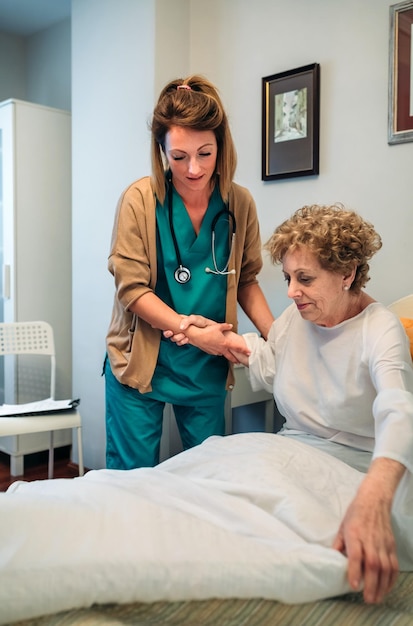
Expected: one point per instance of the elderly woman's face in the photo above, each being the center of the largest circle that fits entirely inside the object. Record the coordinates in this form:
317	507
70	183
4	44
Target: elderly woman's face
318	293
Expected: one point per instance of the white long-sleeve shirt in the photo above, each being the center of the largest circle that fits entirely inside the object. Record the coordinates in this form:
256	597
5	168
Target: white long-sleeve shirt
351	383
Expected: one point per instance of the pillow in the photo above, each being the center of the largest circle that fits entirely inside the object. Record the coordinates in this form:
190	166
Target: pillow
408	327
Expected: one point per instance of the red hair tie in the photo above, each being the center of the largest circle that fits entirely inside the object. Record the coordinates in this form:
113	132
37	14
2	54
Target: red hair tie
185	87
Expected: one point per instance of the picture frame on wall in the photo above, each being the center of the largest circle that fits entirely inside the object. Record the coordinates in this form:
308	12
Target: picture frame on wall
400	118
291	123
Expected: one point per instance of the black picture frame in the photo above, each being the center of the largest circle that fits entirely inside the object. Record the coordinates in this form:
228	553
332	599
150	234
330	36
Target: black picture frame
400	117
291	123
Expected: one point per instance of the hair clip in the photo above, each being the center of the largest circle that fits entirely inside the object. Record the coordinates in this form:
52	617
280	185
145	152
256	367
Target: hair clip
185	87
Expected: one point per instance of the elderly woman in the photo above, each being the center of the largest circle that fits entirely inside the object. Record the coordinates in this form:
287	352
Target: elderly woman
339	366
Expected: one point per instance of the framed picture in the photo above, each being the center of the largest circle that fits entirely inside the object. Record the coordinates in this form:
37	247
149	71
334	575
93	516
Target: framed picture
291	123
400	127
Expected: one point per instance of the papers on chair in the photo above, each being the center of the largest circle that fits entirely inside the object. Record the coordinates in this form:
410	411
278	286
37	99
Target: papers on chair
41	406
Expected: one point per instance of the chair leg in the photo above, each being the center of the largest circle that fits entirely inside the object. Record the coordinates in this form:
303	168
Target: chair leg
51	456
17	465
80	451
269	416
228	414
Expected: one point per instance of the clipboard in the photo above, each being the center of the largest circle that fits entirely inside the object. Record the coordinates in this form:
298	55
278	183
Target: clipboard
40	407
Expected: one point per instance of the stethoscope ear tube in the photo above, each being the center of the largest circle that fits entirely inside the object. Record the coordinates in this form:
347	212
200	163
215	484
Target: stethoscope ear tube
230	214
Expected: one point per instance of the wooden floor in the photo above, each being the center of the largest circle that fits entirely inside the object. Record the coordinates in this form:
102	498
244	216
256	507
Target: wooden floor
36	466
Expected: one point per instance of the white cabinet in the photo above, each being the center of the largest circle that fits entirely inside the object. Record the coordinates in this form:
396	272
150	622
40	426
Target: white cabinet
35	207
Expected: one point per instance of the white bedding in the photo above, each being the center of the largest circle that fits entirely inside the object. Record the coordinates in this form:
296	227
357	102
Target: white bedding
249	515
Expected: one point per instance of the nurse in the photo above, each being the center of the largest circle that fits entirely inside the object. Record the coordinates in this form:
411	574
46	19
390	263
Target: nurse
185	240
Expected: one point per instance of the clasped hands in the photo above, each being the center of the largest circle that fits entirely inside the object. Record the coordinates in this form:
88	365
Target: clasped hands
212	337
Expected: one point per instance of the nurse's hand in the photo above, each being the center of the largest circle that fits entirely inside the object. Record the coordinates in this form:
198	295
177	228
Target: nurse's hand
187	320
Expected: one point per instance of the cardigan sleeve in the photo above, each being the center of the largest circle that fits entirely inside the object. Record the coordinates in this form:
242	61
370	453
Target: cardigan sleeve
131	261
248	248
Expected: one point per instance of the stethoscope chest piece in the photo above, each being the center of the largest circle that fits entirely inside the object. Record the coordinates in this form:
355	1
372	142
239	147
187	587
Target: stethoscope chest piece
182	275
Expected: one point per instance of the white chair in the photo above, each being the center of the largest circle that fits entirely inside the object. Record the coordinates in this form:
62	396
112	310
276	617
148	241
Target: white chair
403	307
36	338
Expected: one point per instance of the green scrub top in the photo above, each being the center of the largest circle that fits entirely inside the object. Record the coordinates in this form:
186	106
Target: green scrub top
186	375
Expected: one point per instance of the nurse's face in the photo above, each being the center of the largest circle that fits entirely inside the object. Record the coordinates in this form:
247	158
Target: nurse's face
192	156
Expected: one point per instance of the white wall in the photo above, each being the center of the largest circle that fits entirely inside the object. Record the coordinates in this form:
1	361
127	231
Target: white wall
172	41
134	46
236	46
37	68
48	66
12	67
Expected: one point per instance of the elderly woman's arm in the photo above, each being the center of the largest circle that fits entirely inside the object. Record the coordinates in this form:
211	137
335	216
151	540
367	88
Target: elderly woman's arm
366	534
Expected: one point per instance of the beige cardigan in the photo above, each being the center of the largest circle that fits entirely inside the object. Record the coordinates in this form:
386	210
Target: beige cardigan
132	344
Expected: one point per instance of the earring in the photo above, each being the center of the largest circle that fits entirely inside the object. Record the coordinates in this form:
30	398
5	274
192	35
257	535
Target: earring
346	287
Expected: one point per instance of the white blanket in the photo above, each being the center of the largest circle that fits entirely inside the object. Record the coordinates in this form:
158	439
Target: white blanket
244	516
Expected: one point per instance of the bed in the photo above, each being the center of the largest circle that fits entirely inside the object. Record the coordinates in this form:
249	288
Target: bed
235	531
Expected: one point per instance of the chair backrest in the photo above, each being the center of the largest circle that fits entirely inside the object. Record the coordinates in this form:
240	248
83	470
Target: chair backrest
32	338
403	307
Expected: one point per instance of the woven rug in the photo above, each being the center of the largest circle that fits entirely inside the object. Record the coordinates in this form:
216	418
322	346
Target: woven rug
396	610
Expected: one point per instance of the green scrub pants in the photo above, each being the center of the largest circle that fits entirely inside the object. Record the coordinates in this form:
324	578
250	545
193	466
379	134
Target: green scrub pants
134	424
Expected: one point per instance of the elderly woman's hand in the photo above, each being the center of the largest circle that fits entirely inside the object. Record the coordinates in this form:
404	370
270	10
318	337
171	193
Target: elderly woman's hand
218	339
366	536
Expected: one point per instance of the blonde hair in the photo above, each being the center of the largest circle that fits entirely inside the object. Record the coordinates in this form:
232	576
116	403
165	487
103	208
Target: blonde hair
198	106
339	238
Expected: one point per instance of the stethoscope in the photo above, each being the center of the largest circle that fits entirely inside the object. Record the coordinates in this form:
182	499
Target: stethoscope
182	274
